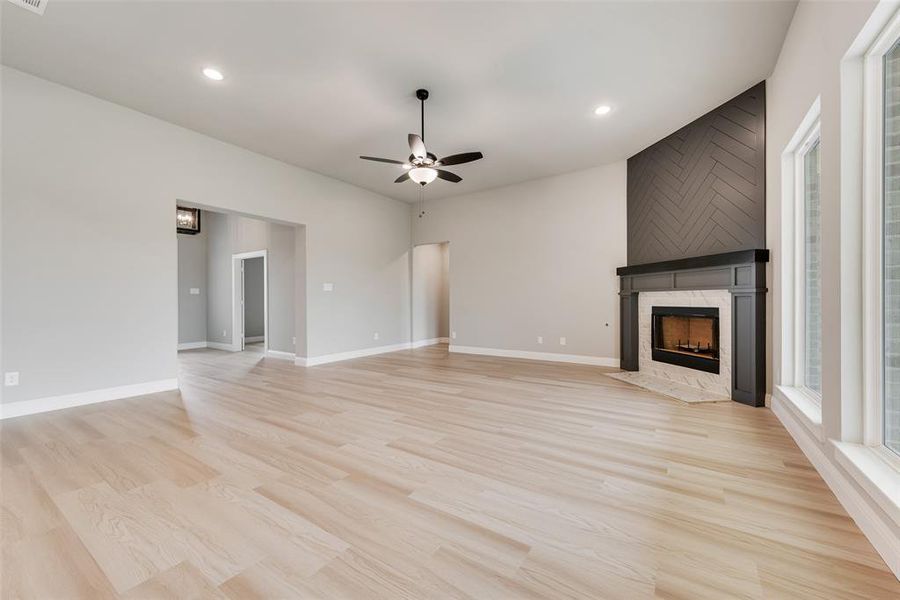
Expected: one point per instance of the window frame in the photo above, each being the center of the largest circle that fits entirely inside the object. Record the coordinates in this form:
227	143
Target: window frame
810	138
873	236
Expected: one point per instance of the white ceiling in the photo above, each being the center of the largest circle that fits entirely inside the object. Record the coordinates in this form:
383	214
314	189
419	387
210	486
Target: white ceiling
317	84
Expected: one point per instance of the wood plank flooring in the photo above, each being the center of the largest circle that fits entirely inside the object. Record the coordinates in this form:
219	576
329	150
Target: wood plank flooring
418	474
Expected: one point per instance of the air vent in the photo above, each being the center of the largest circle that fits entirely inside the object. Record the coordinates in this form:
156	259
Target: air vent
35	6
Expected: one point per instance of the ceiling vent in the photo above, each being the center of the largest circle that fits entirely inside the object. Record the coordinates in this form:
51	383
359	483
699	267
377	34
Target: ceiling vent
35	6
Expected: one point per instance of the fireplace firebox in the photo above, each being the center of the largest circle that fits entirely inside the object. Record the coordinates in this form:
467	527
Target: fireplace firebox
686	336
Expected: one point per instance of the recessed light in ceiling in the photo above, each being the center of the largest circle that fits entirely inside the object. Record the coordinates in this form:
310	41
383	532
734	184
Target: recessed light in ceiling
603	109
214	74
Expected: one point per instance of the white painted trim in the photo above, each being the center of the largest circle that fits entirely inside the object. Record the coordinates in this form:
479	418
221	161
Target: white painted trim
792	264
876	470
281	355
329	358
255	338
581	359
876	530
40	405
221	346
191	345
803	408
431	342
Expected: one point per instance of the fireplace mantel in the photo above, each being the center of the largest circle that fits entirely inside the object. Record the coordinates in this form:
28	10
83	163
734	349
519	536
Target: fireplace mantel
742	273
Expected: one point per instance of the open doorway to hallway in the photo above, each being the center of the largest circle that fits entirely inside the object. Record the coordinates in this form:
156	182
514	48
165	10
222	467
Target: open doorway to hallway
431	294
252	308
241	286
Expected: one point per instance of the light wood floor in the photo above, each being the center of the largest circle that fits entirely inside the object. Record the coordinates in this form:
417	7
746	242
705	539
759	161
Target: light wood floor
419	474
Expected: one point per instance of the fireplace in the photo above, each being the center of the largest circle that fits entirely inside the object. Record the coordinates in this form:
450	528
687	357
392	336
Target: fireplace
686	336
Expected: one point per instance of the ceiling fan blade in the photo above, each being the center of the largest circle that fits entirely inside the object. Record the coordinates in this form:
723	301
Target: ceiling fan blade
404	177
384	160
448	176
417	146
458	159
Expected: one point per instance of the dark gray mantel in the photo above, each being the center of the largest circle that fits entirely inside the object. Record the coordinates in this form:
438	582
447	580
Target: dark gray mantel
743	273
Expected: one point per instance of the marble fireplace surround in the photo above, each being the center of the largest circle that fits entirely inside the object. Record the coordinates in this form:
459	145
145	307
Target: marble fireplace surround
735	283
714	385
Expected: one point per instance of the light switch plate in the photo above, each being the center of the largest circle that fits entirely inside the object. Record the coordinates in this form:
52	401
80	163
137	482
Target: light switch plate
453	334
375	337
11	378
540	339
195	291
327	287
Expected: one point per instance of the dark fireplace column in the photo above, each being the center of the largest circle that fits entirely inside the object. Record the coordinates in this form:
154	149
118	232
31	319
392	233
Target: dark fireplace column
628	320
743	273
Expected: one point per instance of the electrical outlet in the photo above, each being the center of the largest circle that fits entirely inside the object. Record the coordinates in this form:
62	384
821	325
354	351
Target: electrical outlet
195	291
224	333
294	341
327	287
375	337
540	339
453	334
10	379
562	341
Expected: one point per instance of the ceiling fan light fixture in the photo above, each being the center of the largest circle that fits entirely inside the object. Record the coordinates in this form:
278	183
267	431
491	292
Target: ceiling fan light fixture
423	175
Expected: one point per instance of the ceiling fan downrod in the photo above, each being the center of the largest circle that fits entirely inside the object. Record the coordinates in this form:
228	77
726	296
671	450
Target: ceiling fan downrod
422	95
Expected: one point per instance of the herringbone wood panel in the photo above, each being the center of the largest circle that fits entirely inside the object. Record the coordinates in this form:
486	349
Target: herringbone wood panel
702	189
419	474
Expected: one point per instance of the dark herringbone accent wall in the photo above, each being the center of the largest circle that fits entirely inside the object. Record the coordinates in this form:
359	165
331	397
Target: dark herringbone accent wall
702	189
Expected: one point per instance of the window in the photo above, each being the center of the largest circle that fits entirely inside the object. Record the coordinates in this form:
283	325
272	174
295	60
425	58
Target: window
812	253
890	254
803	265
881	243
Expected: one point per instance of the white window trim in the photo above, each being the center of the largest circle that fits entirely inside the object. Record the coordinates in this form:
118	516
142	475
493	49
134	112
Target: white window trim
805	403
872	237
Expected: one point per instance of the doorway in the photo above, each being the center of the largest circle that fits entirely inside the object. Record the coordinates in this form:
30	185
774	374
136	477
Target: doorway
431	294
251	300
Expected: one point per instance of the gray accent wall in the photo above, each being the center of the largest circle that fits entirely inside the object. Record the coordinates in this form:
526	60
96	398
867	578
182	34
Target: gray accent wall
701	190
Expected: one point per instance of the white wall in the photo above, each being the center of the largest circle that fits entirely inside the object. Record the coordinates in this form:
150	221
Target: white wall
535	259
431	292
810	66
89	249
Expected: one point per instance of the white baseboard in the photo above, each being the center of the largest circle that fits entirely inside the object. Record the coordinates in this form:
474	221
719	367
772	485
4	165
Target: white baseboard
580	359
280	354
221	346
40	405
876	530
191	345
254	338
430	342
329	358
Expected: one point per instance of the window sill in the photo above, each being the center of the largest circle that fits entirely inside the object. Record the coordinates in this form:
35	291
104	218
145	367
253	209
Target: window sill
877	470
803	408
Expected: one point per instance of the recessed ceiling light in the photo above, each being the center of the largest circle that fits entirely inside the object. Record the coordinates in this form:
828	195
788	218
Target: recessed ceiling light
603	109
214	74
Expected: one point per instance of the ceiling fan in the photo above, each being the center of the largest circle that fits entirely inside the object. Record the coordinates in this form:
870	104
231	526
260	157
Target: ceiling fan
422	166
